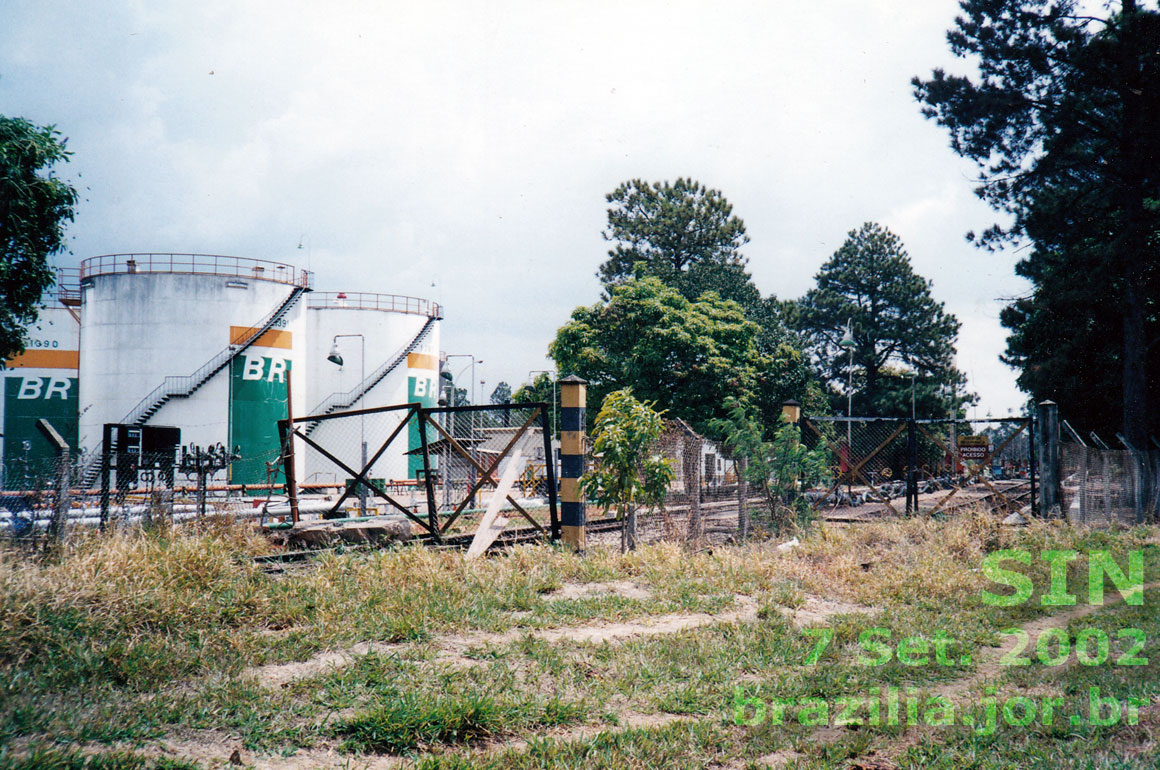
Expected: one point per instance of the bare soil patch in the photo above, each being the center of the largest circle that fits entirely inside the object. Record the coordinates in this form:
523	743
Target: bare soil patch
623	588
454	649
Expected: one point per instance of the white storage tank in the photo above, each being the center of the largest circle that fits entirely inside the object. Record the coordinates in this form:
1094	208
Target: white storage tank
388	345
201	342
41	382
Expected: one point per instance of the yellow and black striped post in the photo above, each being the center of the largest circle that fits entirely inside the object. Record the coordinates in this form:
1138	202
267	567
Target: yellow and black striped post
573	437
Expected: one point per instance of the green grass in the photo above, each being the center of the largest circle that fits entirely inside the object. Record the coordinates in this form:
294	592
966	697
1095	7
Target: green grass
50	758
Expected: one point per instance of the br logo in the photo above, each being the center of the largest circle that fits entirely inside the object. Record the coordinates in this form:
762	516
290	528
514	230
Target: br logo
44	387
268	369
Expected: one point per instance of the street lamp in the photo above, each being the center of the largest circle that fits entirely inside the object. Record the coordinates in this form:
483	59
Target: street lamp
335	357
848	343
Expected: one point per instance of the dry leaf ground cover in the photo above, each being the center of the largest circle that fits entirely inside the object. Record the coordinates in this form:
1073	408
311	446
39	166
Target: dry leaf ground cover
173	649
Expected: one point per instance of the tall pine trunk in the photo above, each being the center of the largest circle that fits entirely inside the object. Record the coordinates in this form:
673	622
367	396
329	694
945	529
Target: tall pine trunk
1133	254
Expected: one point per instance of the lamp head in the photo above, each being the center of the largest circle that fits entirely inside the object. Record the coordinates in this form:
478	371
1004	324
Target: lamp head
847	341
334	356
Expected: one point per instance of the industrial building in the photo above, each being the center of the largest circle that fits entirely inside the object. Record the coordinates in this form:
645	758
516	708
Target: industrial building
207	344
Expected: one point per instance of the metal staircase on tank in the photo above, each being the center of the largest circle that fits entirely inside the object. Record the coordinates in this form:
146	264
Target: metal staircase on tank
339	401
186	386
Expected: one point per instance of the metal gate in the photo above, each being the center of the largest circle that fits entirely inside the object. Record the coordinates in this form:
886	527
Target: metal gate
440	483
893	466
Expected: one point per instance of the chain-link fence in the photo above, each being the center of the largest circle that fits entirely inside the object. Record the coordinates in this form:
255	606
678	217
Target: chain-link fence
188	484
700	504
896	466
1109	486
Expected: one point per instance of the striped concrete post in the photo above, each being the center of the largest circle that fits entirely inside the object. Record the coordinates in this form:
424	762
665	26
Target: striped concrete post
573	438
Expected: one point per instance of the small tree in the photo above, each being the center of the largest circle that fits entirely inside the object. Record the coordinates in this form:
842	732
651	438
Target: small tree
780	469
34	207
623	476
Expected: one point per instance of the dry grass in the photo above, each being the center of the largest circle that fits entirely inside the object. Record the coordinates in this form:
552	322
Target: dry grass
122	637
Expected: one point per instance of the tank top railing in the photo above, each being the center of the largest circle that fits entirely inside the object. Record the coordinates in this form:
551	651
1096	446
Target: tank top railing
196	264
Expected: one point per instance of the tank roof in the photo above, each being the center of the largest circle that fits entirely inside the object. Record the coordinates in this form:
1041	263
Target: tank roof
361	300
196	264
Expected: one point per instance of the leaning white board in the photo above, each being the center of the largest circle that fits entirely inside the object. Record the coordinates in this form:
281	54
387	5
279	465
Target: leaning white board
492	524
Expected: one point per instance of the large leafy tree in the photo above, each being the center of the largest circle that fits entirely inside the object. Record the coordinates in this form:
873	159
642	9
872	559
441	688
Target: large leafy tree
1060	121
685	356
34	207
869	284
686	236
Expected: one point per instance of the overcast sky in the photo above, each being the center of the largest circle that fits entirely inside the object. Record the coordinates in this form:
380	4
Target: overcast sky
461	151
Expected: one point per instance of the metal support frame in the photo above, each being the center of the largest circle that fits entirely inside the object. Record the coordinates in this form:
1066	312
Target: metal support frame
913	427
289	429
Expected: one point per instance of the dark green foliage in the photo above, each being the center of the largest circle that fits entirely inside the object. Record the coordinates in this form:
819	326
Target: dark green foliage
869	283
687	237
672	228
502	394
408	720
34	207
780	469
624	474
686	357
1060	121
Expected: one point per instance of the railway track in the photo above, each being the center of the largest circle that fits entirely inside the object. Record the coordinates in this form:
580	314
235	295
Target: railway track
718	516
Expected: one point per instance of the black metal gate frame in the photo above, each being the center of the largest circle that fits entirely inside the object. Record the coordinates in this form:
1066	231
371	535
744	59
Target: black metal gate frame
910	425
287	429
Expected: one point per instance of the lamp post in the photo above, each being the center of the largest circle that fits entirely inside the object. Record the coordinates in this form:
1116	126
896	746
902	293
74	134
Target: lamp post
336	358
848	343
913	376
553	375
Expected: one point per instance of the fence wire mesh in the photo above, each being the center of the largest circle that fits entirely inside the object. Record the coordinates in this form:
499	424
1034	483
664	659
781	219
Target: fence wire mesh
1103	487
700	503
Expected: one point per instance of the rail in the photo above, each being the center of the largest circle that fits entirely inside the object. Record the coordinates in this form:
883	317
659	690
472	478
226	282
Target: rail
359	300
68	286
196	264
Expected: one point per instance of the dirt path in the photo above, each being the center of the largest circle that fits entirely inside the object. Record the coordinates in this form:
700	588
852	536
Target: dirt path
990	665
453	648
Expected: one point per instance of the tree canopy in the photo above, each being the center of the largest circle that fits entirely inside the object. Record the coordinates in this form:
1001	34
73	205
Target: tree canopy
685	356
34	207
1060	122
677	230
869	283
502	394
687	237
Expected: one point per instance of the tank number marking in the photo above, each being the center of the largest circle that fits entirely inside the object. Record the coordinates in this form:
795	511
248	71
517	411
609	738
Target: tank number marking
42	344
268	369
44	387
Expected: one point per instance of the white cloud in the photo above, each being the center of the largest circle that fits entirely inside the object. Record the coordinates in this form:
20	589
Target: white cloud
471	144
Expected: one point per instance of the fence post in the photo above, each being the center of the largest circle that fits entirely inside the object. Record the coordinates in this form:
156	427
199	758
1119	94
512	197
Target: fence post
1049	457
106	472
693	461
573	440
911	467
740	464
61	507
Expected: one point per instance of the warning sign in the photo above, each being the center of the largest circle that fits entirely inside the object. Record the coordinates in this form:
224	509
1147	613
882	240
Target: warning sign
974	448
